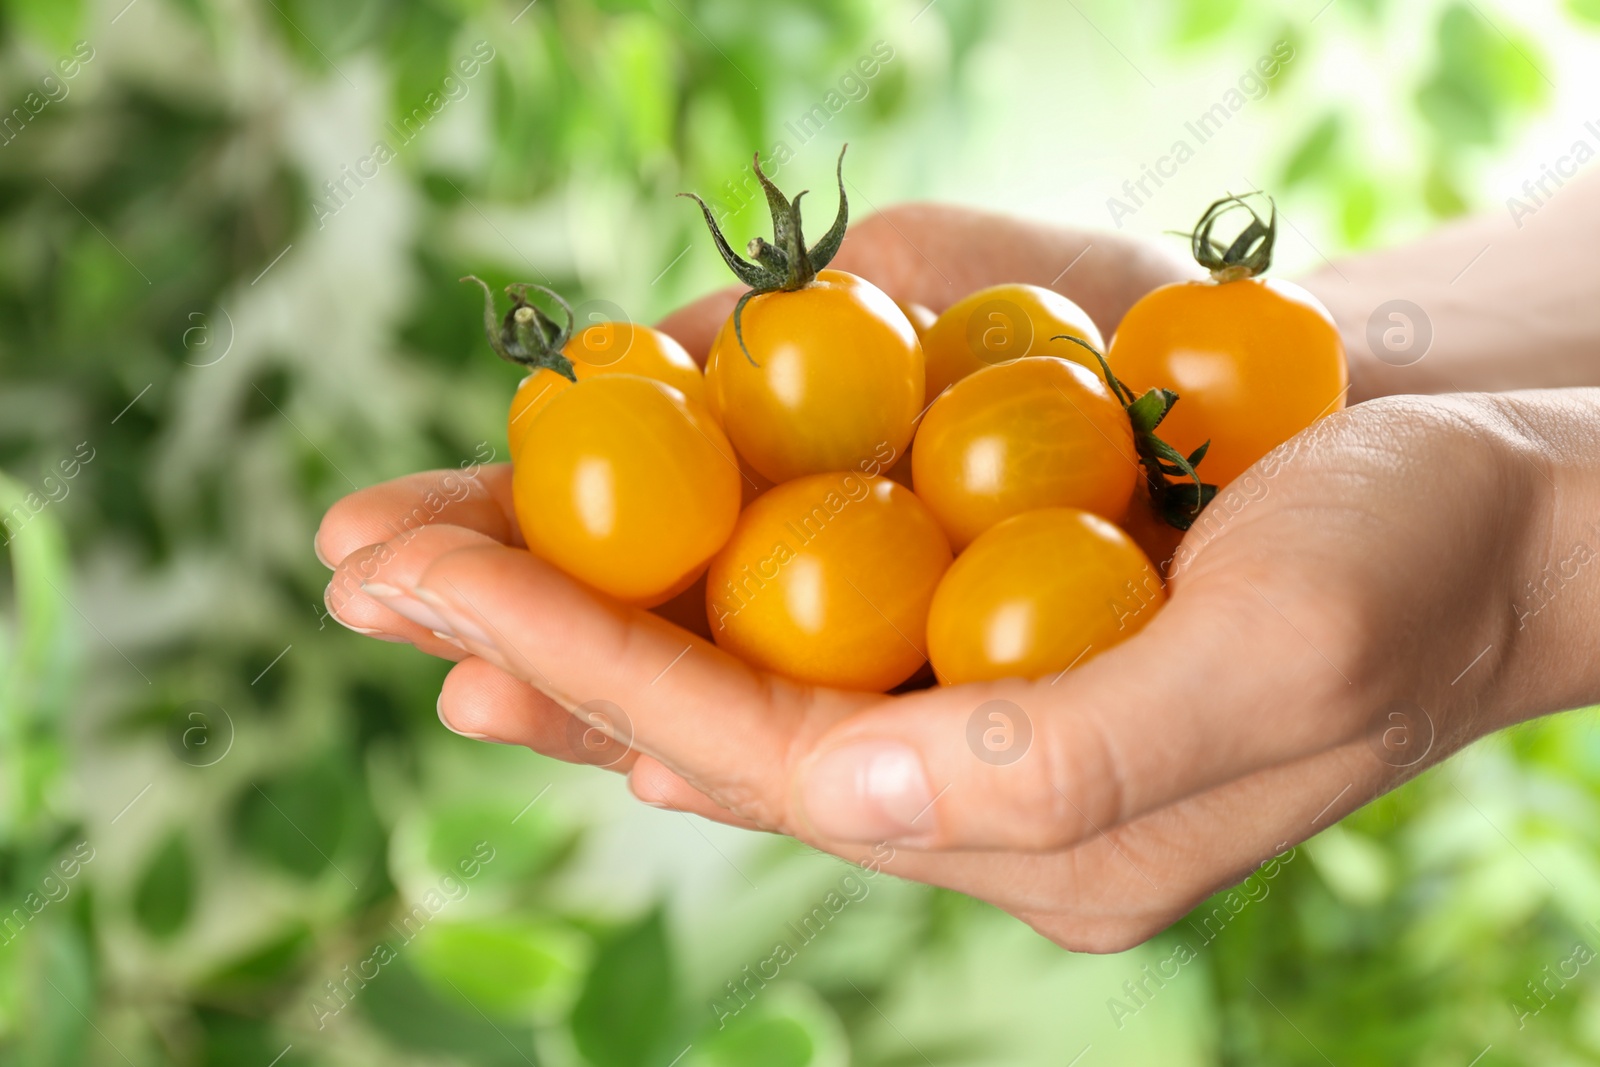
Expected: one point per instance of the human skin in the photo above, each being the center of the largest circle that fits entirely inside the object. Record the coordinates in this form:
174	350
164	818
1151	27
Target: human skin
1246	717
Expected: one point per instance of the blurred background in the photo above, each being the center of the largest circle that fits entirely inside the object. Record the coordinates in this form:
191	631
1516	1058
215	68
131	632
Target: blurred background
232	832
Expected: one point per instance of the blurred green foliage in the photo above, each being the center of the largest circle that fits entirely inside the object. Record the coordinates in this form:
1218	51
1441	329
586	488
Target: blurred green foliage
271	836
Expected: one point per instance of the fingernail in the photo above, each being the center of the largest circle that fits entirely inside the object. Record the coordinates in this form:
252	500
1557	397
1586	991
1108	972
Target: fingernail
450	639
439	707
317	549
364	631
868	791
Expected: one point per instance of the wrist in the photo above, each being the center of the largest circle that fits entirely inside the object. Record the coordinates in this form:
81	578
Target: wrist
1552	628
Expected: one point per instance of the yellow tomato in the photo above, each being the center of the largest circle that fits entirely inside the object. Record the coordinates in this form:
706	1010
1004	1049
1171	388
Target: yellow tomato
606	348
627	485
827	580
1000	323
1037	594
1255	361
836	378
1033	433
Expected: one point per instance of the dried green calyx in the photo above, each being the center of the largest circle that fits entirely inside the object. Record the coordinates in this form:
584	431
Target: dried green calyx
1177	503
526	335
1248	254
785	263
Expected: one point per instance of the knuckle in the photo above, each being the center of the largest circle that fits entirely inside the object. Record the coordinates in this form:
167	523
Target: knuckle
1061	792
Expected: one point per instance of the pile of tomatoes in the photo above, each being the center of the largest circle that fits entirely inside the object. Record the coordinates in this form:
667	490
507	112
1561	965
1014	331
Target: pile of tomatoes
854	489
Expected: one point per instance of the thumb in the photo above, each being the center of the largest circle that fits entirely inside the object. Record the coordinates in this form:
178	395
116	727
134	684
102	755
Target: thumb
1174	711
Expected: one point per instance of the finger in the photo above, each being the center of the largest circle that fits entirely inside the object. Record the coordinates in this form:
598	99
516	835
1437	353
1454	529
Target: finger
934	254
660	787
1045	765
483	702
721	723
1124	886
695	325
480	500
379	567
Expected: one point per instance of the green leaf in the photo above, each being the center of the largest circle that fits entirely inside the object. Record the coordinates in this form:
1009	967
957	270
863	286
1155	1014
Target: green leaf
1358	210
231	1038
1316	153
771	1042
35	675
526	844
1201	20
294	822
788	1026
275	961
1585	10
627	1002
1441	193
64	994
506	965
55	24
416	1018
165	893
1485	73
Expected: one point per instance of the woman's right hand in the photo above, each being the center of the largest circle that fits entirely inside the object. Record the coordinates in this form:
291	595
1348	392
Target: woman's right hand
1404	577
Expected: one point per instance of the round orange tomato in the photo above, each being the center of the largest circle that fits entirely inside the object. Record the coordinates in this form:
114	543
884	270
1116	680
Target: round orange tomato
1039	593
607	348
1000	323
1256	360
627	485
827	580
1034	433
815	370
832	379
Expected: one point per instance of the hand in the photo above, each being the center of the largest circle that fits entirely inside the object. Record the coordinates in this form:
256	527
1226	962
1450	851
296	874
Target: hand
1362	570
935	254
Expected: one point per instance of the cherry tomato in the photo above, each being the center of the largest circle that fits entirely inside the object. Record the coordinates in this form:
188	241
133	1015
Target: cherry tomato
827	579
1000	323
1039	593
836	377
627	485
607	348
1255	360
815	370
920	316
1033	433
